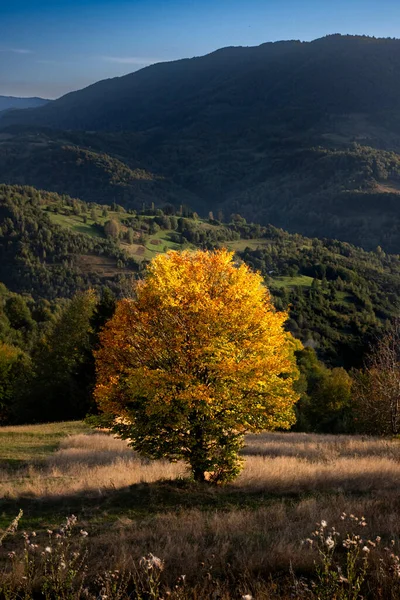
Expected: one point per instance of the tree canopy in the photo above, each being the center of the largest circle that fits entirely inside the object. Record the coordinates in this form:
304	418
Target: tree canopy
377	387
196	359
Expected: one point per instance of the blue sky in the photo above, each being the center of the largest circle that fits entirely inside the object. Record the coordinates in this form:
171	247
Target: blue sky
50	47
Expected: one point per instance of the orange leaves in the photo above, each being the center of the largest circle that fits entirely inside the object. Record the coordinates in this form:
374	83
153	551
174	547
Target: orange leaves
8	353
201	331
198	358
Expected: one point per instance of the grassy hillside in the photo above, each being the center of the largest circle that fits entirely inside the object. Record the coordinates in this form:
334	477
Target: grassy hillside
245	536
42	258
349	192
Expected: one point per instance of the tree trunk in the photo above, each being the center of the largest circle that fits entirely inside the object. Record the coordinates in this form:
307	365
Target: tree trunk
198	455
198	474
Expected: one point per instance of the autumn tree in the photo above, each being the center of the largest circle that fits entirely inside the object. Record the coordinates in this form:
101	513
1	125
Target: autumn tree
195	360
112	229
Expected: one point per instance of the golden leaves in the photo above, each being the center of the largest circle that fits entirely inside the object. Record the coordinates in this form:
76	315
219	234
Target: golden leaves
201	331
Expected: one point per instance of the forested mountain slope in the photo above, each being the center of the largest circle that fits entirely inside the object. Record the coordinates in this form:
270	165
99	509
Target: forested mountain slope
301	135
44	259
78	165
11	102
296	83
339	297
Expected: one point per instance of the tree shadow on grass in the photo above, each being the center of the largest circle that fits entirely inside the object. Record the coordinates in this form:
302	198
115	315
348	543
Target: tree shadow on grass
140	500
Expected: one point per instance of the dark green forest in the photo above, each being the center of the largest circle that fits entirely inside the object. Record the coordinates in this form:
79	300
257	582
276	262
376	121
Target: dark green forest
65	262
349	193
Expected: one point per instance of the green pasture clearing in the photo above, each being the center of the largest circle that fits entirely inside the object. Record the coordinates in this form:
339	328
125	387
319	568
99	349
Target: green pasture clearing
241	245
298	281
75	223
32	443
155	243
163	237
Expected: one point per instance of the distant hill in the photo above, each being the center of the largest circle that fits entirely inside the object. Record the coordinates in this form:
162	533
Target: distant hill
78	165
10	102
303	135
295	83
338	296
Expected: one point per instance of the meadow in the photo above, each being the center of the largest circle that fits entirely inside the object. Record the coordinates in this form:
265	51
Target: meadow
241	534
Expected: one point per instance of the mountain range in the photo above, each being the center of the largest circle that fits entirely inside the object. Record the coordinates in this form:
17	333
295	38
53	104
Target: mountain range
10	102
303	135
236	87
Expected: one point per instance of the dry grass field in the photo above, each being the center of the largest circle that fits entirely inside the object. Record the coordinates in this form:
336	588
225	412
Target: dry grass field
254	526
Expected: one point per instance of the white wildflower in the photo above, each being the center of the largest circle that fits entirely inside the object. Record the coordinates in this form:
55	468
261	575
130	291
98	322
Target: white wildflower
309	541
152	562
48	549
329	542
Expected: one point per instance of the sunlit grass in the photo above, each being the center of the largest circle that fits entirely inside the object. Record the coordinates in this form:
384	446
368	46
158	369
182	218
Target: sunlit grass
76	223
133	506
68	458
33	443
297	281
241	245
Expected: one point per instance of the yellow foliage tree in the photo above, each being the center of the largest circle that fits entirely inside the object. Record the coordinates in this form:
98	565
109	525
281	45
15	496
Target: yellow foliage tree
198	358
